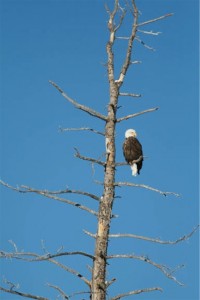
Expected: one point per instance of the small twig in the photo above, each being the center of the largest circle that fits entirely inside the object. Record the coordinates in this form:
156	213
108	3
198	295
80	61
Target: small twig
26	295
130	95
144	44
62	293
122	37
145	187
89	233
11	284
99	162
14	245
80	129
149	32
79	293
121	19
135	62
108	283
136	114
136	292
89	110
155	20
44	248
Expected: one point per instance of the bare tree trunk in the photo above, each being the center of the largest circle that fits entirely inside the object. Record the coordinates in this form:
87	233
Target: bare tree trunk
98	288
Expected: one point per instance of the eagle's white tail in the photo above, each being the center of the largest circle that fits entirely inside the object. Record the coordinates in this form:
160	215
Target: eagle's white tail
134	170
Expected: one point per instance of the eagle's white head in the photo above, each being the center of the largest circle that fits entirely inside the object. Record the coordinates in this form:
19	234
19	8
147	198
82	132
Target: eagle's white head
130	133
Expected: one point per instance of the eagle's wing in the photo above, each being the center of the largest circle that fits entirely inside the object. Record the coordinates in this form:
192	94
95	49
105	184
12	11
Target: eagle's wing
132	149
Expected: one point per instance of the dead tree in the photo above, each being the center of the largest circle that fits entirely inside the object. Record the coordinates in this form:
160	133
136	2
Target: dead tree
98	284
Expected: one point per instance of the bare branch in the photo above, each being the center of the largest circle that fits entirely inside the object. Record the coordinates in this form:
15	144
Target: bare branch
148	239
108	283
146	187
68	191
122	37
62	293
164	269
80	129
127	60
72	271
22	294
99	162
79	293
27	255
135	62
89	110
121	18
136	292
14	245
155	20
78	205
144	44
48	257
65	191
149	32
89	233
26	189
137	114
130	95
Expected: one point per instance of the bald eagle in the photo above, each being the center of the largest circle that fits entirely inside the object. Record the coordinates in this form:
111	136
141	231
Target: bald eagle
132	150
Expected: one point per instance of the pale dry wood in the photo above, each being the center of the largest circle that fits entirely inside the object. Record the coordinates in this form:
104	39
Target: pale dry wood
153	240
98	286
122	37
149	32
62	293
108	283
89	110
144	44
26	256
136	292
136	62
93	160
130	95
89	233
22	294
137	114
45	193
65	191
164	269
70	191
155	20
144	186
148	239
82	129
132	36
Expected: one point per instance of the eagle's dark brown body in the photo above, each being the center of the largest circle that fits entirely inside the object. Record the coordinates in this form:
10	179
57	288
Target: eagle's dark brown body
132	150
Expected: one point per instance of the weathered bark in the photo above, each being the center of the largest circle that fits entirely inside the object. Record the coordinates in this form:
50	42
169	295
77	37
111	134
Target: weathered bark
98	288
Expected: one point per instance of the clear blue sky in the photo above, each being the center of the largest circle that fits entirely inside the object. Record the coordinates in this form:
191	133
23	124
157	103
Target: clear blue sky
64	41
